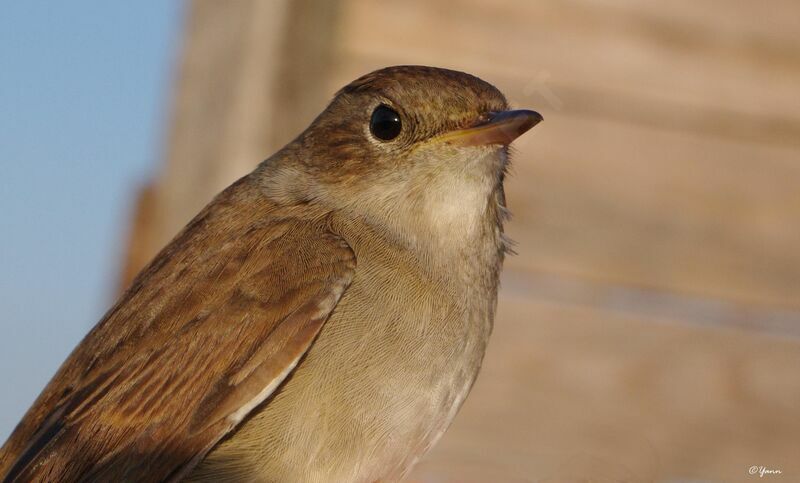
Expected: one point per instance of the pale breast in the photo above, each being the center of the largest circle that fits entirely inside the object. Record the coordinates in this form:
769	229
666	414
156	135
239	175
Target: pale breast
379	386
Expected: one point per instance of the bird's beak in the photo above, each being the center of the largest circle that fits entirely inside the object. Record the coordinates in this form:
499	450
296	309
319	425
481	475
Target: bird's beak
498	128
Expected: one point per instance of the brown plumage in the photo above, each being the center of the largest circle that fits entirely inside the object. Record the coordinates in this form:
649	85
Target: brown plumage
322	319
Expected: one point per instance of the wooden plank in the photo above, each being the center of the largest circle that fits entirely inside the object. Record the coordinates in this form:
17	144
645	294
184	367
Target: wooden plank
635	205
662	188
639	204
779	22
657	53
222	99
602	207
574	394
246	86
668	154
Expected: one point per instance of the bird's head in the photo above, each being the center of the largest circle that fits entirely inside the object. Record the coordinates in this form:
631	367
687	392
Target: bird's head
411	144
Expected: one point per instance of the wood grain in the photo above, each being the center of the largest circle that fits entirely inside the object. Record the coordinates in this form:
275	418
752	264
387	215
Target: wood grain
571	393
648	327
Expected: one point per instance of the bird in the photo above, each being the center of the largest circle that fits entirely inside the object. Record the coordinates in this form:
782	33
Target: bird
322	319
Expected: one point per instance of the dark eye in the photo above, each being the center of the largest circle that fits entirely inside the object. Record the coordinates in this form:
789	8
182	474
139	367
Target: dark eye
385	123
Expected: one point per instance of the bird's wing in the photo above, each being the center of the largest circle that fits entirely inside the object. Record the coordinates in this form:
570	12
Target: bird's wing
205	334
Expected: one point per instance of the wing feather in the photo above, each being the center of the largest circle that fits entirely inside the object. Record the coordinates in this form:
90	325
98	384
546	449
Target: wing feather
204	335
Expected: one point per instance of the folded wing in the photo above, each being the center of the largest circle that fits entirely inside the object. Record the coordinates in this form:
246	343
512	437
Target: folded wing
206	333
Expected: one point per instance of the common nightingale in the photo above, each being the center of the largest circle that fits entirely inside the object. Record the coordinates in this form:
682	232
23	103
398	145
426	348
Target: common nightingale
321	320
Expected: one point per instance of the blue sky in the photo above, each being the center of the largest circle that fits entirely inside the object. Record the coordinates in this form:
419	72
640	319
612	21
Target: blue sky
84	99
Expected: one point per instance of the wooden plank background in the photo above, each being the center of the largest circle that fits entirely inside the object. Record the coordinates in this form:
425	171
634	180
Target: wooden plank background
649	327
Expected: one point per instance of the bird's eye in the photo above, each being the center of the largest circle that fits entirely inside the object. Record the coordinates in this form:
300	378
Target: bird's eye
385	123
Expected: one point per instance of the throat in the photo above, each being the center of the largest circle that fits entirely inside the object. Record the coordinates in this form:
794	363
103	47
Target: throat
461	203
457	213
458	227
